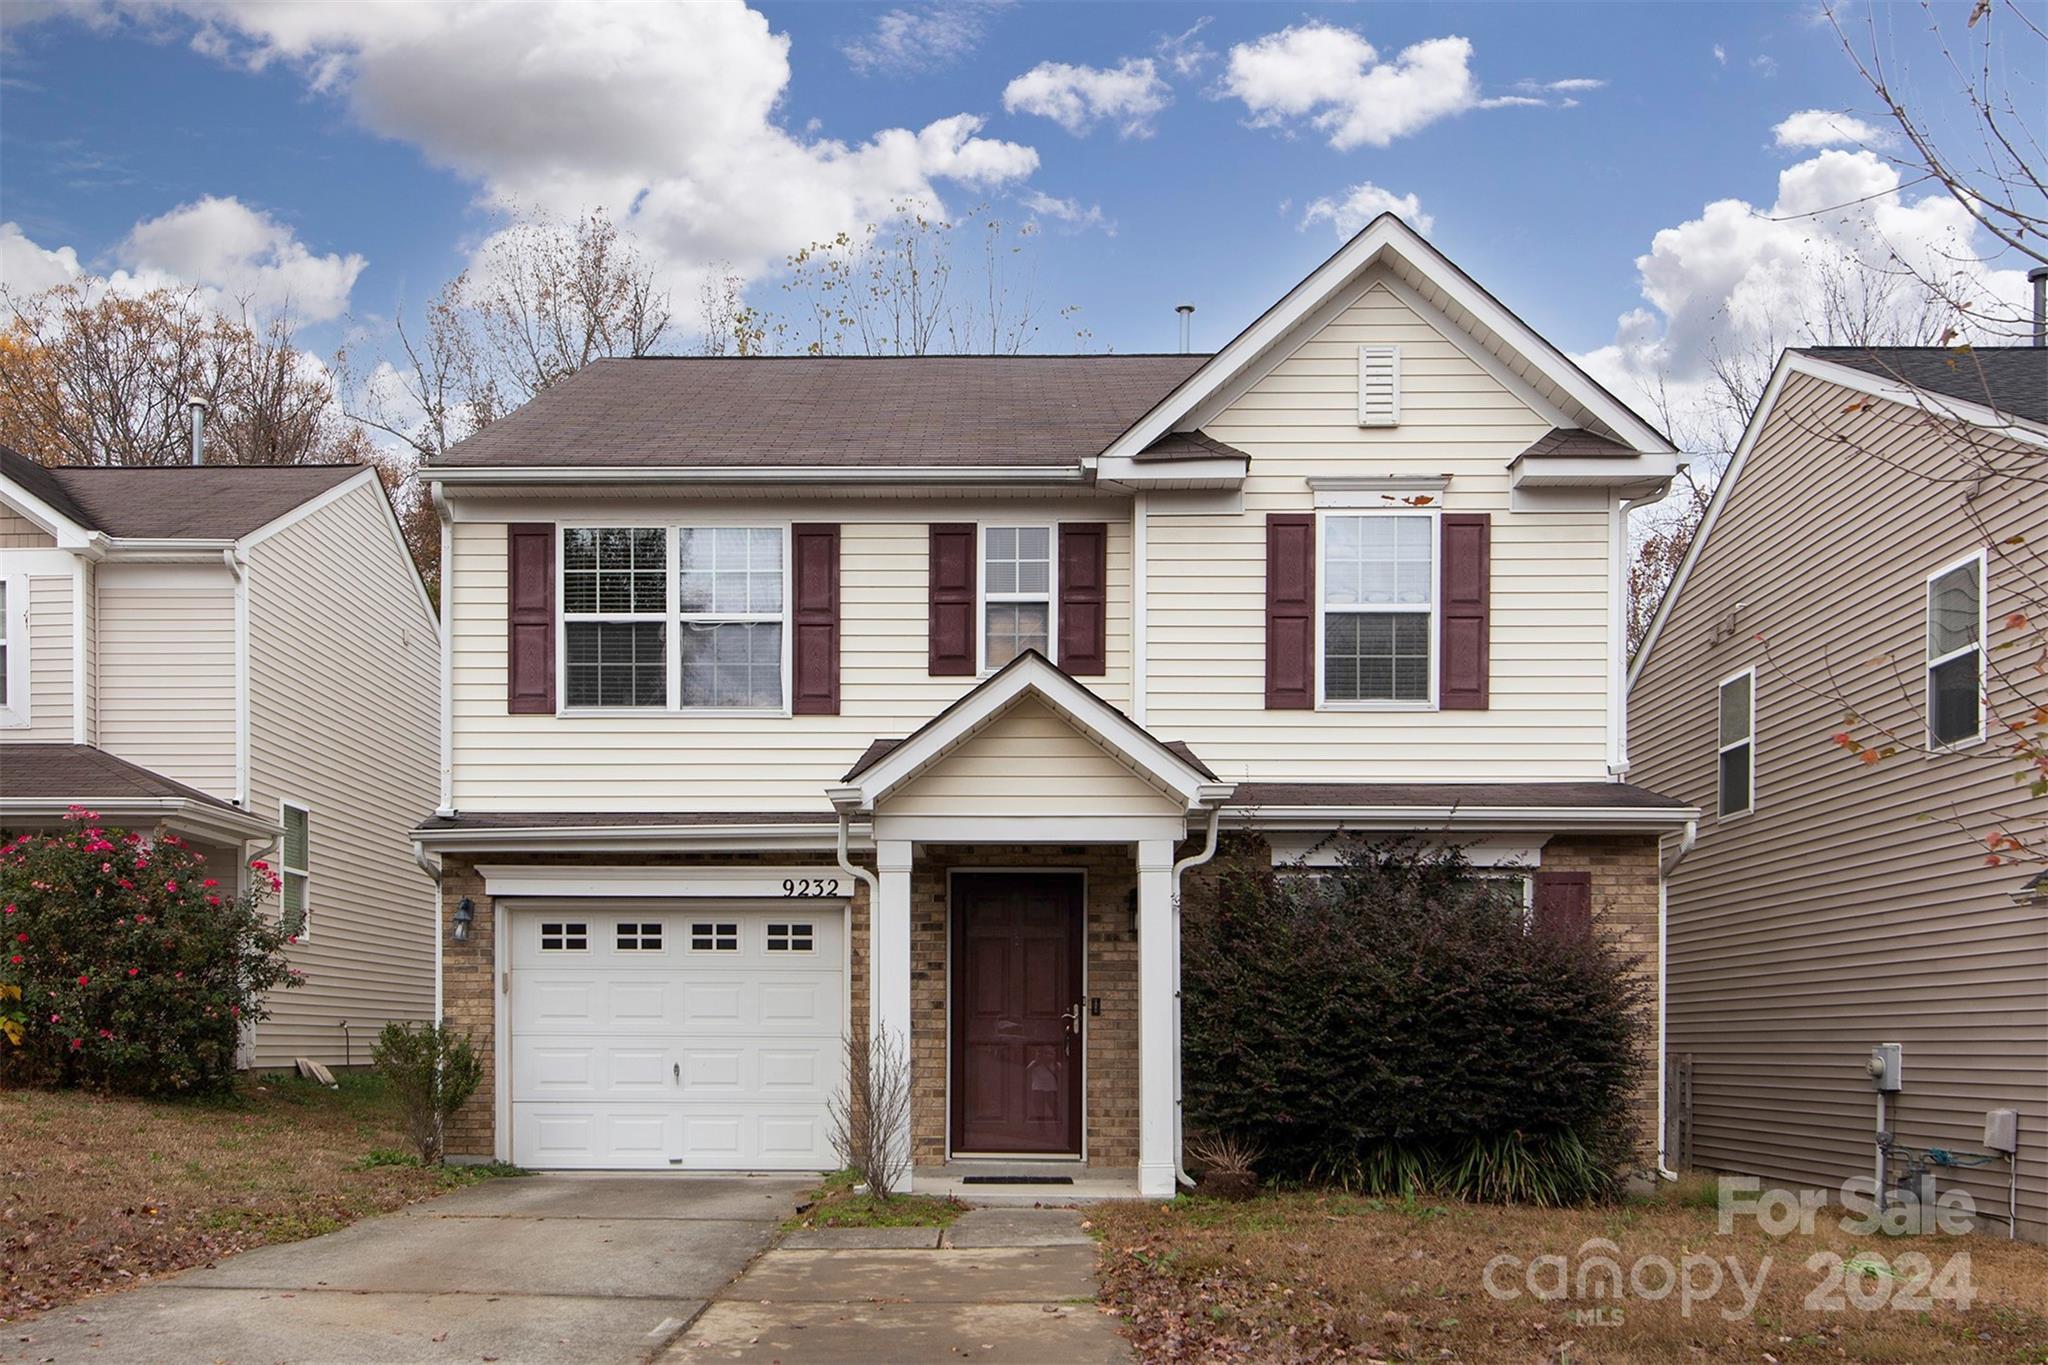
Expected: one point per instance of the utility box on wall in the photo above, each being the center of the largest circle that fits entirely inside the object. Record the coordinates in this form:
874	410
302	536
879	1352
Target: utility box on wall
1887	1067
2002	1131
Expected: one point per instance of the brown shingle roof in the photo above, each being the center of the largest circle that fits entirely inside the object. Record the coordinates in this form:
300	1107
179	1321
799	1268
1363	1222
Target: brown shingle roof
175	502
729	412
84	774
1575	441
2011	379
1189	445
1598	795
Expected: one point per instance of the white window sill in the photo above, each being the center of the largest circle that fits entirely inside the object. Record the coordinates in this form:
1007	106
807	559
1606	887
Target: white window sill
712	712
11	720
1407	707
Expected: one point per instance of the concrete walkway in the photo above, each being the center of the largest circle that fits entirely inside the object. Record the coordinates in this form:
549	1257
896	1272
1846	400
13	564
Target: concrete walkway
539	1269
1014	1285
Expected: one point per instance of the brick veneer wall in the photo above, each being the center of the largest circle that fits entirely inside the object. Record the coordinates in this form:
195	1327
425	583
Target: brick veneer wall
1111	1097
1624	868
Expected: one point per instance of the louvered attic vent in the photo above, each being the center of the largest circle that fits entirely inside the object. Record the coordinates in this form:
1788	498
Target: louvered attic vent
1379	386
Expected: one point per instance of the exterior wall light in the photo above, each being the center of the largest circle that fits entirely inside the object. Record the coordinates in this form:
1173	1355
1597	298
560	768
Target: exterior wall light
465	915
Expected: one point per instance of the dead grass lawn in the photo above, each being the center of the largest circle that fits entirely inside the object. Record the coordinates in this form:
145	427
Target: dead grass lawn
1324	1277
99	1193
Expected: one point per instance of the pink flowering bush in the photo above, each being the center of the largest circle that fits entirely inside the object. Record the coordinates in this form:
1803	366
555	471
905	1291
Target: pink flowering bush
137	964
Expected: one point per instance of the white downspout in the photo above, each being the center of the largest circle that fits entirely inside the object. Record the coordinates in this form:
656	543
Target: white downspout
1666	864
874	886
433	870
1180	1173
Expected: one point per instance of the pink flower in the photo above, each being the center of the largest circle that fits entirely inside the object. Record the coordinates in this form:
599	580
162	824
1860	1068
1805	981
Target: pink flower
213	900
84	980
21	938
210	882
171	887
77	1043
134	971
235	1010
16	959
56	1018
260	865
10	909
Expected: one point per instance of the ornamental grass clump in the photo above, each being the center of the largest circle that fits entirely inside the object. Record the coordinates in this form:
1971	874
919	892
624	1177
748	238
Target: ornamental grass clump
1393	1024
137	964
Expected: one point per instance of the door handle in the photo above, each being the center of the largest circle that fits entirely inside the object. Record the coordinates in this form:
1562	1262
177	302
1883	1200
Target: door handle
678	1070
1073	1019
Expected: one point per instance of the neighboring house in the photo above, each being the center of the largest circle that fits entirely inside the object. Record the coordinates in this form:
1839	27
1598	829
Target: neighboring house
246	656
1018	634
1857	559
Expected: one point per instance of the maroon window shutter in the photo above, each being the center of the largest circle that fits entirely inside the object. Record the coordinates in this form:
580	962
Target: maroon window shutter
814	555
1084	597
1564	904
952	575
1290	611
1464	652
530	618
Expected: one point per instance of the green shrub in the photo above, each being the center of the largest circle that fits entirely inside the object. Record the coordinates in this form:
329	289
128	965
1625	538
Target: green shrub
137	964
432	1071
1390	1024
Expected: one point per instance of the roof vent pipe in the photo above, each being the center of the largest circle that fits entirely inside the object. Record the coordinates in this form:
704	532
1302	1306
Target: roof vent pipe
2038	277
197	406
1187	323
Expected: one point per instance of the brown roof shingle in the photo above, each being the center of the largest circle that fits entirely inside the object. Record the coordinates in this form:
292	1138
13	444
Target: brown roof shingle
1190	445
792	411
84	774
1435	795
1575	441
175	502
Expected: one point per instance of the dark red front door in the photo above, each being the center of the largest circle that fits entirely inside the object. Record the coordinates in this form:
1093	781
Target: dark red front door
1017	1012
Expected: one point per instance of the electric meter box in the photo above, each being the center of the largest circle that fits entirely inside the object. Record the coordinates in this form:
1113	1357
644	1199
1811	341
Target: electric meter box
2002	1131
1887	1066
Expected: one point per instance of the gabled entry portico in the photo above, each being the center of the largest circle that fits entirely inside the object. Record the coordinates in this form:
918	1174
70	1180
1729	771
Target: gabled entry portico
1008	824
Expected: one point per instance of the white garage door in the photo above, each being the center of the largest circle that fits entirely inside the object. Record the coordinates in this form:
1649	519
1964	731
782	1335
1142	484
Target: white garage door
648	1036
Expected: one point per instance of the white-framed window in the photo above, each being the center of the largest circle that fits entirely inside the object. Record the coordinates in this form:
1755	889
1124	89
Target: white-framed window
714	936
295	868
1017	593
681	618
1955	653
13	652
1376	631
1736	744
730	589
615	616
791	938
565	936
638	936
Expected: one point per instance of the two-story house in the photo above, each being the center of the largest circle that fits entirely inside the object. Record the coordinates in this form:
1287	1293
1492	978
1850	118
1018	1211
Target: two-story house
244	656
788	696
1869	574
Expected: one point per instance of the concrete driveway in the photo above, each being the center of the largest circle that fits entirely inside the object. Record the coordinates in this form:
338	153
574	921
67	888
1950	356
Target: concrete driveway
540	1268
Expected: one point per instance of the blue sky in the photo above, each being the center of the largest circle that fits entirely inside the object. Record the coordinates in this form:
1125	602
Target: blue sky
328	133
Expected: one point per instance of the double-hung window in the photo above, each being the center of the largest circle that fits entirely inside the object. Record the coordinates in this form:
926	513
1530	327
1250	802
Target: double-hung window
1017	593
688	618
615	615
730	589
295	907
1379	583
1955	654
13	651
1737	743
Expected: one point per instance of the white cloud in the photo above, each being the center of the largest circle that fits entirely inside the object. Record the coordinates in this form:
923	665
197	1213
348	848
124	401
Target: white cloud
1334	79
1363	203
1078	97
1826	128
906	41
1739	282
1569	85
233	255
666	115
1068	211
1185	52
237	255
1720	54
26	268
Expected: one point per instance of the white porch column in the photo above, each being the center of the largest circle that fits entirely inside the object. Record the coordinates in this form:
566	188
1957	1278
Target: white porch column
889	970
1157	1158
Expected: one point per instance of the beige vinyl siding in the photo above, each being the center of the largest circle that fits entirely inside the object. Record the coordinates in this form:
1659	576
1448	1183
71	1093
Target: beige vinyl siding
344	718
1028	761
1548	716
680	761
1852	906
17	532
166	638
50	681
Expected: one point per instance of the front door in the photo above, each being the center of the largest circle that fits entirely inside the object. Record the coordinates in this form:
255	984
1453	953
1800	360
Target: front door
1018	1013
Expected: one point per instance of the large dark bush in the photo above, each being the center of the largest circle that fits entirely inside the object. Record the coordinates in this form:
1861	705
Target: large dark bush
1391	1022
137	964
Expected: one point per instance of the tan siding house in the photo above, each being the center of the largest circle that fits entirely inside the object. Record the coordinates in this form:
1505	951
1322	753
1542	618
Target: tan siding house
894	696
1840	904
204	646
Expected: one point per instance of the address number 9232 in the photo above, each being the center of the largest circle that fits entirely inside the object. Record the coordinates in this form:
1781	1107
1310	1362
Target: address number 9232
810	888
